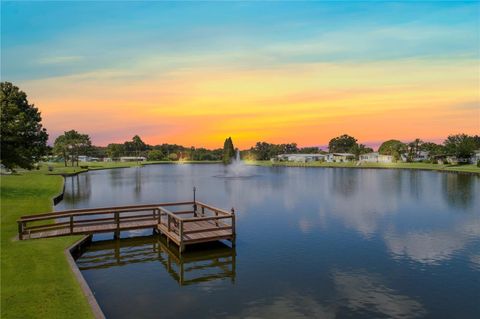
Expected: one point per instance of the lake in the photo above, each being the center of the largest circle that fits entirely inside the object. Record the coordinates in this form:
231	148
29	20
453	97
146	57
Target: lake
311	243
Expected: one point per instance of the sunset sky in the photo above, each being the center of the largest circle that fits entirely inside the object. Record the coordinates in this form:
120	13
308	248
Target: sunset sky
195	73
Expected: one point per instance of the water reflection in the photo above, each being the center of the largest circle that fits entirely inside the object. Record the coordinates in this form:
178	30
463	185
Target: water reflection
313	243
367	293
458	190
77	189
138	183
201	263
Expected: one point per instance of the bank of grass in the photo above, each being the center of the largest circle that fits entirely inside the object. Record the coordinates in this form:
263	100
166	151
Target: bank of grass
470	168
60	169
36	280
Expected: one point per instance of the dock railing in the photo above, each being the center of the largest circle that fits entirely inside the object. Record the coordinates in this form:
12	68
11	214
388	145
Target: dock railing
215	220
197	223
81	221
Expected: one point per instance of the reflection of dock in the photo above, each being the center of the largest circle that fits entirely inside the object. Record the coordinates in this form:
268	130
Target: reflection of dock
198	223
199	265
205	262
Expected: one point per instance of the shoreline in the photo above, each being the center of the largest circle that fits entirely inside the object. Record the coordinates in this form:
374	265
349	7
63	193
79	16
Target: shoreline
462	169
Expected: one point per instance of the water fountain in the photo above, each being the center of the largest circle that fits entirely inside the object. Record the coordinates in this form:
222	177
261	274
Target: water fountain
237	168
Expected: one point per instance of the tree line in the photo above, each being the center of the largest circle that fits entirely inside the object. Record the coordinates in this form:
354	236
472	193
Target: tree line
72	144
460	145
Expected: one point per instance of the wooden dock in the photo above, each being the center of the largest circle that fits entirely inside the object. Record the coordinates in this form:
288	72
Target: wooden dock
190	222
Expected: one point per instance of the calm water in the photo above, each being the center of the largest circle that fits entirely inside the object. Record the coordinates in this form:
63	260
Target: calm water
312	243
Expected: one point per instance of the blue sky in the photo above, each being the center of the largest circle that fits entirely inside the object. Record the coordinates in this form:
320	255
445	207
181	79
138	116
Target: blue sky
41	39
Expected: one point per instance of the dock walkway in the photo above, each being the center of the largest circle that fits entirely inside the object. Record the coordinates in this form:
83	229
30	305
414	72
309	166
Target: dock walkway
196	223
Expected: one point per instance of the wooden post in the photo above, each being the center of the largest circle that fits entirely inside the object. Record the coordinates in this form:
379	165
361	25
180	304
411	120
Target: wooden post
168	223
20	230
203	211
234	234
182	247
182	273
117	221
194	202
71	224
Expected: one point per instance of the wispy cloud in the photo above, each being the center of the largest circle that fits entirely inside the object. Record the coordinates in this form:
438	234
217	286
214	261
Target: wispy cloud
60	59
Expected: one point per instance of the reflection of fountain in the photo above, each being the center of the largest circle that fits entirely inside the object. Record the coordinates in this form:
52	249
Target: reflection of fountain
194	266
236	169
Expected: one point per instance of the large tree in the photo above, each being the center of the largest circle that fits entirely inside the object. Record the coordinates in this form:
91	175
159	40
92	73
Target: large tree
342	144
72	144
359	149
460	145
228	150
23	139
392	147
135	147
114	151
432	148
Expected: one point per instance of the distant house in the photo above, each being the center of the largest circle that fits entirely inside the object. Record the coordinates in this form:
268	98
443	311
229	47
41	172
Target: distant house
133	159
421	156
369	157
375	157
475	157
85	158
441	158
340	157
303	158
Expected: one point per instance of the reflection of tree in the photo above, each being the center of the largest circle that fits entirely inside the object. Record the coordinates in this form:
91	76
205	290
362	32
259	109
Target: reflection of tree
116	177
77	188
345	181
415	179
458	190
138	182
200	263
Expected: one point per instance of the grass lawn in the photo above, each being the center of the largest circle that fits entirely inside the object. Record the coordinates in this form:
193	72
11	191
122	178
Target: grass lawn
59	168
471	168
36	280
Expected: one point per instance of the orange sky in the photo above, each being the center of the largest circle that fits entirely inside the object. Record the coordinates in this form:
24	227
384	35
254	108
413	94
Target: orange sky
306	104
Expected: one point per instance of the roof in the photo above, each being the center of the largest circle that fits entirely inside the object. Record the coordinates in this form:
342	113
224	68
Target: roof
342	154
302	155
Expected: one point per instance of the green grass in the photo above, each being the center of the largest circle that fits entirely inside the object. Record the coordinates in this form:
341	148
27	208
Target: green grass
59	168
470	168
36	280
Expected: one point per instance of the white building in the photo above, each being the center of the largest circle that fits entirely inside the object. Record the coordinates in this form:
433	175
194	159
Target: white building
421	156
133	159
375	157
85	158
303	158
475	157
340	157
